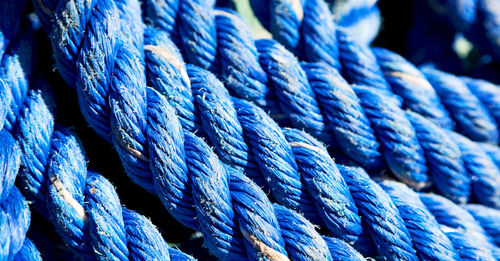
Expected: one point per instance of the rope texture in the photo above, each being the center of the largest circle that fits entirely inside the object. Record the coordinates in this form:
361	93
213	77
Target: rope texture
161	154
234	215
15	215
83	206
383	131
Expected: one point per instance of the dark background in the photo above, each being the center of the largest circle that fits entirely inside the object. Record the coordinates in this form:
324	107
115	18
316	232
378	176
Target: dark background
103	158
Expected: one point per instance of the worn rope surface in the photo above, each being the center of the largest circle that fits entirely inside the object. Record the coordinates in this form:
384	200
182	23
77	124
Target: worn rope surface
160	154
14	210
83	206
100	44
234	56
409	155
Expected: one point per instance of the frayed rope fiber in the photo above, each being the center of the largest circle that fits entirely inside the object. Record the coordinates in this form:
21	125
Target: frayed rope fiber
82	205
241	121
409	155
212	193
157	132
15	214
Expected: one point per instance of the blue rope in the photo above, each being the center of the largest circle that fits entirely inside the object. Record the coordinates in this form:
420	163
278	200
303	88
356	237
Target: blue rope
28	252
10	160
215	106
345	115
468	238
220	122
482	170
361	68
362	17
340	250
246	79
317	52
444	157
382	219
391	100
14	223
316	168
163	75
15	215
488	219
403	153
83	206
487	93
259	144
193	184
210	103
493	152
295	95
366	66
163	157
408	82
294	226
471	117
431	243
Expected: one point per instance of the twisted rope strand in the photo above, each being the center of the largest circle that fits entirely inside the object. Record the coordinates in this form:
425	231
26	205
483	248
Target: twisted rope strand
274	157
417	172
83	206
432	243
488	219
369	67
316	156
15	215
398	158
468	238
275	167
215	106
216	110
148	136
53	175
211	93
196	154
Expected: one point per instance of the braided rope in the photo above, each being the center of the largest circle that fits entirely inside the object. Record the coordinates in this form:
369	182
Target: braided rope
15	215
213	107
196	155
83	206
410	163
162	156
